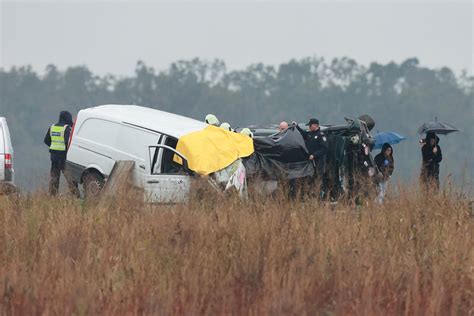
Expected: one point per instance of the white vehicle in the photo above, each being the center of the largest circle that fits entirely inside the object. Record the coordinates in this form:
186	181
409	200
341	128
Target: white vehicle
105	134
7	174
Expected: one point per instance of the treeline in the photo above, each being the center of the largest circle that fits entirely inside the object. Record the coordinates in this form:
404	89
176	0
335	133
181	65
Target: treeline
399	96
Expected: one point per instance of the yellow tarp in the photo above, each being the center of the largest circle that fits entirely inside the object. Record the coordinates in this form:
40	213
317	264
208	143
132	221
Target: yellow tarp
213	149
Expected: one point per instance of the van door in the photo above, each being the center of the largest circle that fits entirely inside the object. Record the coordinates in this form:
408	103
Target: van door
168	181
131	145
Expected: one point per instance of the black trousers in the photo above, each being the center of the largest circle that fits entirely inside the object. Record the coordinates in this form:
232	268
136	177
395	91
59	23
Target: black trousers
57	167
430	176
310	184
321	177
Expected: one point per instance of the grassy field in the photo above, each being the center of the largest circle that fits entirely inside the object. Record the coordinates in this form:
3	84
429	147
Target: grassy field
413	256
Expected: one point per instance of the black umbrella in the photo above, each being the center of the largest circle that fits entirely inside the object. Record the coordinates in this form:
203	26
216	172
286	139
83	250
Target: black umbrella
437	127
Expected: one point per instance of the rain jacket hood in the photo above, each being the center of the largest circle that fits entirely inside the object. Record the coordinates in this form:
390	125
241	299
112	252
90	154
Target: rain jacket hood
65	118
429	137
385	147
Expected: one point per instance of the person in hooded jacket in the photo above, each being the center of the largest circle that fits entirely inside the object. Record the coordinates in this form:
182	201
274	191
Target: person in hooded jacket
386	164
361	169
57	139
432	156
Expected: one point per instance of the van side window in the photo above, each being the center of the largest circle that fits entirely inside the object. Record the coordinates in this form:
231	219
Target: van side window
168	166
171	142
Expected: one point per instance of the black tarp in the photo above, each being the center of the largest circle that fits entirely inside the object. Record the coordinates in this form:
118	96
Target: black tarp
284	156
281	156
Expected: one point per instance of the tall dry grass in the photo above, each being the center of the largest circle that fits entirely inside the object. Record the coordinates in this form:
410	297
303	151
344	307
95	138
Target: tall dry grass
412	256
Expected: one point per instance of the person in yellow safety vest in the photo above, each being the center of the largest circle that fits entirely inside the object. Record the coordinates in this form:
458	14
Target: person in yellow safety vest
57	139
211	119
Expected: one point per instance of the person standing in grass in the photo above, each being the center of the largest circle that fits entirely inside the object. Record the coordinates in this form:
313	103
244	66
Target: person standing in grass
432	156
57	139
316	142
386	164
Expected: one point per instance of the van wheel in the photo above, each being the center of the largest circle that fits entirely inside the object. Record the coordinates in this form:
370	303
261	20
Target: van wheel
93	183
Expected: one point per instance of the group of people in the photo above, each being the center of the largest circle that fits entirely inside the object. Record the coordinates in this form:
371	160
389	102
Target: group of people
211	119
58	134
316	143
431	158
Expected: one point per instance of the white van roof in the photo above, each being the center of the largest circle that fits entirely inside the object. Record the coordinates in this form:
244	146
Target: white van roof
156	120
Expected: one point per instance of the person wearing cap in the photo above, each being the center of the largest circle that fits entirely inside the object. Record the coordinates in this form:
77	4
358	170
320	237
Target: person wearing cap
316	142
211	119
283	126
226	126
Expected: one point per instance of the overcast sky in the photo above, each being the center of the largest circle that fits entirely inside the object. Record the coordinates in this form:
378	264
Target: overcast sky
109	37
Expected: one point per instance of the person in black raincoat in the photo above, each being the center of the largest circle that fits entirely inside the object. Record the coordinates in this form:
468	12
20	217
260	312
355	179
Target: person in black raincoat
361	171
57	139
386	164
316	142
432	156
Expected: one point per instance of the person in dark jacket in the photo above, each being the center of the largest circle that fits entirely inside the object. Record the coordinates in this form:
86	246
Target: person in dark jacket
57	139
361	171
316	142
386	164
432	156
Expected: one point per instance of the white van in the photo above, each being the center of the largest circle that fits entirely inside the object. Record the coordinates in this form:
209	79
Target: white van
7	174
105	134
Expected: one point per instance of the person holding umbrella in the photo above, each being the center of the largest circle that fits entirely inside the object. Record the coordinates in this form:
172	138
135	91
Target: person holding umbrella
431	152
386	164
432	156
